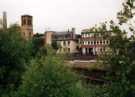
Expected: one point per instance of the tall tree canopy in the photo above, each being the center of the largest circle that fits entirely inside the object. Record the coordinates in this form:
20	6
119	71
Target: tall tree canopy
14	54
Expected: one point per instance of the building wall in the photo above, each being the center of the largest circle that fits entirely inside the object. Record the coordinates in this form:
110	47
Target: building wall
67	46
27	26
66	40
48	37
73	47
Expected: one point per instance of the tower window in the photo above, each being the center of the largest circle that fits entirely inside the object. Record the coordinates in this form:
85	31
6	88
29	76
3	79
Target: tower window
29	22
24	22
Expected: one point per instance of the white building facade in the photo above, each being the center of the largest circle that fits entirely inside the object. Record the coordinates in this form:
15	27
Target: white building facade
93	43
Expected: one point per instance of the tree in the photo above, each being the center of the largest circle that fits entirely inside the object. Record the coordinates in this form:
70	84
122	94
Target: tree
37	46
126	16
121	59
48	77
55	45
127	12
14	55
121	64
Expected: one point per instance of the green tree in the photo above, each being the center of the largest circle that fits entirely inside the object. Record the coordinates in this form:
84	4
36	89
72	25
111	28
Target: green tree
48	77
127	12
126	16
55	45
14	55
120	59
121	64
37	46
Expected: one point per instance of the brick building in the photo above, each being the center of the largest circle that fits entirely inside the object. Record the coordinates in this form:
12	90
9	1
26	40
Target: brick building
27	26
48	37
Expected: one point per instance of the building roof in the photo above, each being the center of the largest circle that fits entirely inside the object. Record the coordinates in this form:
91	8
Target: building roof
37	35
62	32
26	15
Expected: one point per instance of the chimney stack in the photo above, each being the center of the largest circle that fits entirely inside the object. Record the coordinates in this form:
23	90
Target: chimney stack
4	20
73	30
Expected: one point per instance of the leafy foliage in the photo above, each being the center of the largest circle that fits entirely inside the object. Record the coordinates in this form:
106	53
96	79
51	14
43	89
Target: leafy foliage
120	63
14	55
37	46
55	45
47	77
127	12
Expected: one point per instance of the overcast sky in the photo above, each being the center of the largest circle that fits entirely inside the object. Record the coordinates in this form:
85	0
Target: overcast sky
61	14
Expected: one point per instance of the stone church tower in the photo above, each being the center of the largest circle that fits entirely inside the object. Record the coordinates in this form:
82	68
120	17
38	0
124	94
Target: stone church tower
27	26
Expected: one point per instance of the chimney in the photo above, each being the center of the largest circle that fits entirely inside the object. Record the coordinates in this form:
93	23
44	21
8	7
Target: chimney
73	30
73	33
4	20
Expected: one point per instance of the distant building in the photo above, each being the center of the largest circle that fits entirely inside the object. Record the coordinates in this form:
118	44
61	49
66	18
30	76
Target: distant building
66	40
92	43
27	26
48	37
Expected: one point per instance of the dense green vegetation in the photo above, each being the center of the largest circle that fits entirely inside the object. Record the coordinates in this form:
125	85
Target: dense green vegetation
14	55
48	77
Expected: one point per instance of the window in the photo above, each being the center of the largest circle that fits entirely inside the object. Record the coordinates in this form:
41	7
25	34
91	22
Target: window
68	42
104	41
91	42
24	22
88	42
94	42
30	33
29	22
100	49
68	49
107	41
64	43
101	42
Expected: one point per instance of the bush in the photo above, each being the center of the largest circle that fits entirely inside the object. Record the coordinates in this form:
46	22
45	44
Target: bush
47	77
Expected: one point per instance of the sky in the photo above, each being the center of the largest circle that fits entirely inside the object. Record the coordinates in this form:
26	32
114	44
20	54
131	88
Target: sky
59	15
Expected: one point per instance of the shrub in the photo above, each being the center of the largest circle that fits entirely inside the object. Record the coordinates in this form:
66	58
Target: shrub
47	77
